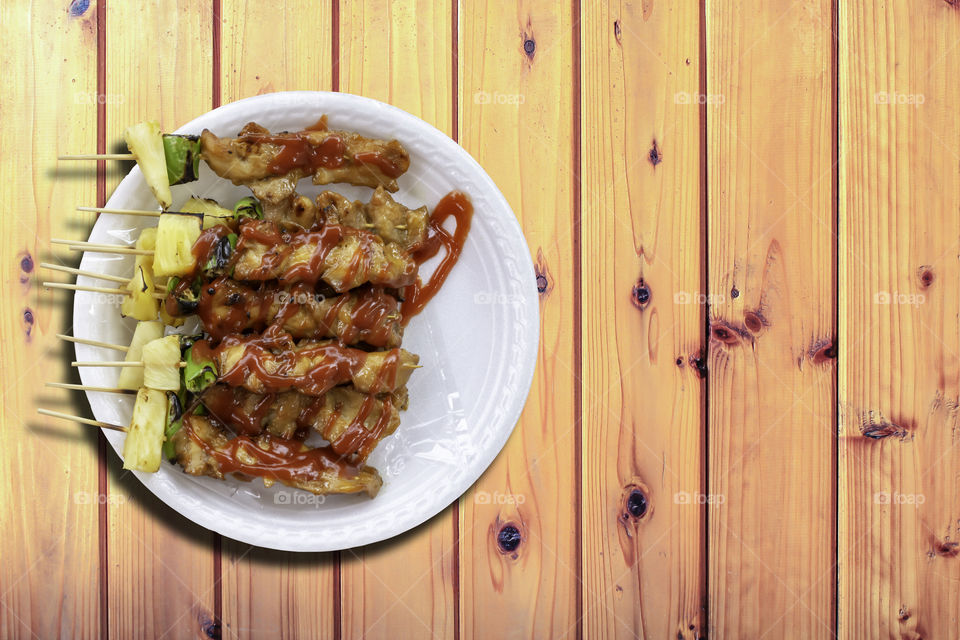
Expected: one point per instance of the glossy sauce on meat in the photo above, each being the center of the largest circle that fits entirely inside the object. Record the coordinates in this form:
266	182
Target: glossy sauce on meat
283	460
454	205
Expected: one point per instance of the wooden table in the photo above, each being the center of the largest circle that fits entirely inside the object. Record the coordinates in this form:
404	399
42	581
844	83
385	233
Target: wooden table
744	219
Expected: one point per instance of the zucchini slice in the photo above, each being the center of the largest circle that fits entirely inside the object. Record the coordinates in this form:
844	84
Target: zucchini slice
161	364
146	144
248	207
182	154
213	213
144	443
176	234
132	377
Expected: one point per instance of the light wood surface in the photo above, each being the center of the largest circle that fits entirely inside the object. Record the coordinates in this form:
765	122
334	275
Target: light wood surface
711	193
516	118
642	264
49	494
771	437
899	336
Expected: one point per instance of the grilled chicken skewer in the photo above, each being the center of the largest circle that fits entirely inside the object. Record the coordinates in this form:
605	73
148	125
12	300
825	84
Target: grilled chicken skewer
273	363
204	448
352	422
226	306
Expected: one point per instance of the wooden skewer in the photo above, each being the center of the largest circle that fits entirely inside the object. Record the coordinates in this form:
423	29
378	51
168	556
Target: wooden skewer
157	295
370	225
80	387
93	423
94	343
78	245
81	272
116	363
129	212
98	156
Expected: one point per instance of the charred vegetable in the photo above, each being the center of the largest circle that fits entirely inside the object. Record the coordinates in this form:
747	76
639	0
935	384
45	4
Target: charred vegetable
199	371
248	207
182	154
175	407
213	213
141	304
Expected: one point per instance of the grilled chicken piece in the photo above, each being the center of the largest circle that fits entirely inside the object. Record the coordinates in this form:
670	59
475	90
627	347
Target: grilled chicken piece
328	156
204	448
342	257
383	216
353	422
313	368
368	315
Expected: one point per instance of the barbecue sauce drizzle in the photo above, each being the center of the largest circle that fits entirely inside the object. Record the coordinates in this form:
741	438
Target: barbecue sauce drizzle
301	150
454	205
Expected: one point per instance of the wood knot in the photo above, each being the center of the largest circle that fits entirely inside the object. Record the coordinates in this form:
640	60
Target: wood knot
724	334
26	267
925	274
904	614
529	47
640	295
78	8
882	430
508	538
948	549
655	156
734	293
616	32
542	274
541	283
636	505
699	362
824	351
753	321
28	321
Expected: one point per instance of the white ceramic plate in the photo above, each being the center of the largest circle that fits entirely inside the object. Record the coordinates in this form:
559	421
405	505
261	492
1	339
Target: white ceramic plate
477	341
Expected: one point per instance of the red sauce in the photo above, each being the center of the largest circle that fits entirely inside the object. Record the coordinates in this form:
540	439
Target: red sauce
329	364
454	205
357	438
385	165
300	150
283	460
204	244
225	405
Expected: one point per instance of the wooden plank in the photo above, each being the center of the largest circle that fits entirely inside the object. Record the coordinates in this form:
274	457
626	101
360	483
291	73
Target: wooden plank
400	53
516	110
769	102
899	391
159	61
643	393
49	576
269	593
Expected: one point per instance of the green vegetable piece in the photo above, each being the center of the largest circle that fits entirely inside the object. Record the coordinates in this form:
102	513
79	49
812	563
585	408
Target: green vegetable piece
175	406
248	207
199	373
182	154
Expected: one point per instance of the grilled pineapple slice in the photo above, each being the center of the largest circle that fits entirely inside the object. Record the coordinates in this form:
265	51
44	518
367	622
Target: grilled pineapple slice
213	213
161	364
176	234
141	304
132	377
146	144
144	443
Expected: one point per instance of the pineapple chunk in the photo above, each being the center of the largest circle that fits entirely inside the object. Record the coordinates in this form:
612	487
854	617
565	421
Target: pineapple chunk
141	304
176	234
213	213
144	443
146	144
161	364
132	377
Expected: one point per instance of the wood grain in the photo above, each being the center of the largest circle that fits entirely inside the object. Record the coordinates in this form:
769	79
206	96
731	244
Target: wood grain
49	505
160	577
400	53
769	103
269	593
899	379
643	392
516	118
